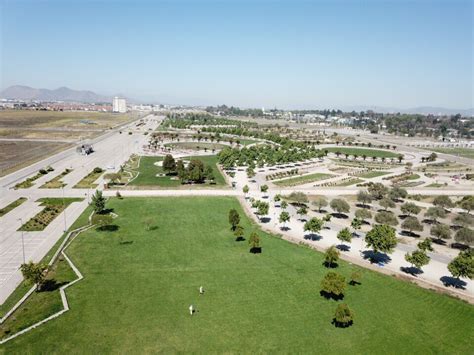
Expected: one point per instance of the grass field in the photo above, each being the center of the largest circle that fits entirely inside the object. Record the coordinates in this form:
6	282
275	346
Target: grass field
199	146
88	180
139	284
305	179
361	151
148	171
11	206
373	174
462	152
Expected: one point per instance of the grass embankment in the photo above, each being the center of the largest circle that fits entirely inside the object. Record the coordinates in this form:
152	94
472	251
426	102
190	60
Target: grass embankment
28	182
362	151
11	206
56	183
304	179
52	208
139	284
462	152
87	181
148	172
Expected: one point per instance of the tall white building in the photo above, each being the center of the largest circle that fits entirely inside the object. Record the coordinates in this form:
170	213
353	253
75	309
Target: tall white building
119	105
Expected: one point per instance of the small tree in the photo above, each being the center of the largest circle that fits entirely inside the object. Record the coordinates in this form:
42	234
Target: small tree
234	218
462	265
356	276
412	224
284	217
239	233
254	242
245	190
277	198
410	208
340	205
331	256
440	231
356	224
384	217
284	205
169	165
333	284
465	236
425	245
381	238
397	193
463	220
98	202
302	211
314	225
344	316
378	191
262	209
344	235
364	197
387	203
363	214
299	198
264	188
443	201
34	273
320	203
467	203
418	258
434	213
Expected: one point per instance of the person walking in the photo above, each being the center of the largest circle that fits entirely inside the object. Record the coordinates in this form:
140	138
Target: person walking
191	309
201	290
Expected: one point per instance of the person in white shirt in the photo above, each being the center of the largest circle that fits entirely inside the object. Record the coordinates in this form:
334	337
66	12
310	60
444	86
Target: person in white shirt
191	309
201	290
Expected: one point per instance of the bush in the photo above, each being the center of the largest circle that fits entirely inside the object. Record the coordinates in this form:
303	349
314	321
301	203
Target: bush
343	317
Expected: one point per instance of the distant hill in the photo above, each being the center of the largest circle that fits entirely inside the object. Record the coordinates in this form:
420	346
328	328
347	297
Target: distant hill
27	93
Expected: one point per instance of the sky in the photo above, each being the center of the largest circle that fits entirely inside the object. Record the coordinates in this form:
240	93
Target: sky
285	54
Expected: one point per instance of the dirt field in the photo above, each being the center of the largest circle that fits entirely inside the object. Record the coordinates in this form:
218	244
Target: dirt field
15	155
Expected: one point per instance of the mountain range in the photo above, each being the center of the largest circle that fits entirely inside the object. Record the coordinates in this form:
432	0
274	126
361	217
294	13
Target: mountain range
26	93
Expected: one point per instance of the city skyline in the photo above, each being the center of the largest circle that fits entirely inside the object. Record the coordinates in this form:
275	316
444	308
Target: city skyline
271	54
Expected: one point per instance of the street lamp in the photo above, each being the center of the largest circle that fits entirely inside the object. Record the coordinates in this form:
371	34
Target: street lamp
22	240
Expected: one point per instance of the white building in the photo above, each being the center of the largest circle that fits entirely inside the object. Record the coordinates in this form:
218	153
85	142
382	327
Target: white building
119	105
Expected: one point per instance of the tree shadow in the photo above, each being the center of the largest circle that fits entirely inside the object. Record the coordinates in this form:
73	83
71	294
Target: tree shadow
354	282
339	215
256	250
285	228
265	219
450	281
318	211
313	237
406	233
459	246
330	295
51	285
438	241
429	221
341	325
153	228
376	258
330	265
239	239
412	270
107	211
455	227
126	242
302	220
108	228
362	205
343	247
403	216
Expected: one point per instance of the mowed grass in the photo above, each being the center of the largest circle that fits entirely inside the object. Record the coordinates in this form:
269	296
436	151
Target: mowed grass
148	171
361	151
139	284
305	179
196	145
462	152
373	174
12	206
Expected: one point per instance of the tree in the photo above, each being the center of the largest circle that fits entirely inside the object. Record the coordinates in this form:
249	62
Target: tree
387	203
364	197
98	202
284	217
254	242
298	197
245	190
262	209
239	232
418	258
381	238
195	171
169	165
463	220
320	202
384	217
250	172
277	198
363	214
462	265
397	193
356	276
113	178
356	223
181	170
209	173
302	211
465	236
434	213
234	218
331	256
425	245
34	273
314	225
344	235
410	208
333	284
378	191
443	201
440	231
467	203
340	206
344	316
284	205
264	188
412	224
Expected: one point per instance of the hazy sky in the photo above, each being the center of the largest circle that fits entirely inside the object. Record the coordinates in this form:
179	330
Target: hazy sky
288	54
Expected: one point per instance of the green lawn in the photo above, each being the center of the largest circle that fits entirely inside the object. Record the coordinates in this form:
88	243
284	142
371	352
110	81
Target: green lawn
196	145
361	151
88	180
11	206
139	284
373	174
463	152
305	179
148	171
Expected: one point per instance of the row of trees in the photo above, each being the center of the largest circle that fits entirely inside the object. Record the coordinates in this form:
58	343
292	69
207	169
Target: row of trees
254	239
195	172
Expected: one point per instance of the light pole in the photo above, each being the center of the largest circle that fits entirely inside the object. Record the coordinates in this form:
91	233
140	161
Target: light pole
22	240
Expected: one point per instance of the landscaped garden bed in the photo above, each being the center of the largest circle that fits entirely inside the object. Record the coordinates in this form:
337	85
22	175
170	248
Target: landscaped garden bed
56	183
